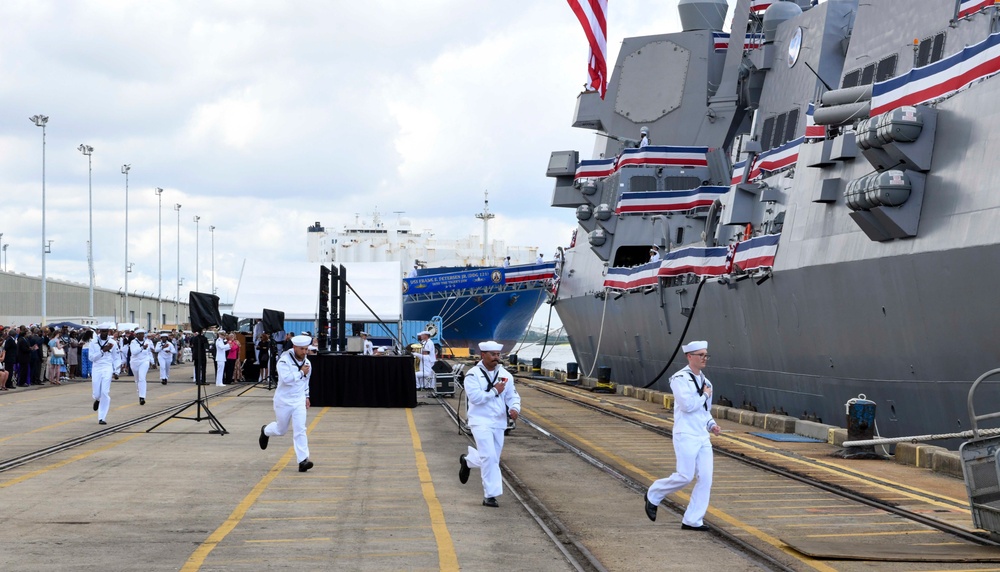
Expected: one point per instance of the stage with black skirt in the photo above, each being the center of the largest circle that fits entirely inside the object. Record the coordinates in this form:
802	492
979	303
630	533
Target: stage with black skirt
345	380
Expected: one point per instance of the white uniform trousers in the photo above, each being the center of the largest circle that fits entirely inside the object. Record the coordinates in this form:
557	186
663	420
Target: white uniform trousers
694	460
101	385
486	456
140	367
296	416
219	371
164	361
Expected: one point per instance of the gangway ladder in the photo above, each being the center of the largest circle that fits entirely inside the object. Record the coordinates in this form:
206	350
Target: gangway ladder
981	468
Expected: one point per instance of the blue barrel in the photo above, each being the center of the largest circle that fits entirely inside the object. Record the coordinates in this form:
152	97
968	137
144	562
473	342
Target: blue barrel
860	419
572	370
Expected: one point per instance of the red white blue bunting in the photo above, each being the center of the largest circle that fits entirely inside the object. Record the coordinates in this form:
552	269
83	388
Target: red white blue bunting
668	201
652	155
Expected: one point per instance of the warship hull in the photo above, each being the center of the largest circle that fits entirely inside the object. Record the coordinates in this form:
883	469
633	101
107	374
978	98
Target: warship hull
895	301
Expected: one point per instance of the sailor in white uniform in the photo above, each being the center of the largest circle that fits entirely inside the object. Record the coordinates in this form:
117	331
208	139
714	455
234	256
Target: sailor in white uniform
643	137
291	399
221	347
428	356
165	351
369	348
105	360
492	398
693	428
540	259
142	351
654	253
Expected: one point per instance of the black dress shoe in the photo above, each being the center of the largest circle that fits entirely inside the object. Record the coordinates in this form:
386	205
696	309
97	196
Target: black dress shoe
102	422
142	401
491	501
650	509
262	440
305	466
463	471
97	403
163	381
701	528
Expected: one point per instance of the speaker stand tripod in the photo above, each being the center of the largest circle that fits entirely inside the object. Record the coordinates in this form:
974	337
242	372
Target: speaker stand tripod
200	404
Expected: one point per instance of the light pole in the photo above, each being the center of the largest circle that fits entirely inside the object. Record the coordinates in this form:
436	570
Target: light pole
211	230
197	253
89	151
125	170
40	121
159	247
177	302
5	257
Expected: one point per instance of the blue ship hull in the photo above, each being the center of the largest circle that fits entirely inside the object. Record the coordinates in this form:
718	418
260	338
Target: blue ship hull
467	321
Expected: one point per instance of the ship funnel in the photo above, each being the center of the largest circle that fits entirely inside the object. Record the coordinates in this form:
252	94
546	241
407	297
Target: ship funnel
702	14
776	15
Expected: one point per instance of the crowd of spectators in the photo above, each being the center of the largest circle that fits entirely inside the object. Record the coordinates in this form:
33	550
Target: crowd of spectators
36	355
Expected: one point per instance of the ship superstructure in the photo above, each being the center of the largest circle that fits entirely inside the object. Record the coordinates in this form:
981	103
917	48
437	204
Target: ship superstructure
820	194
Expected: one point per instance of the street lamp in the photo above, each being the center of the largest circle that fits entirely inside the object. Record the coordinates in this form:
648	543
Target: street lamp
88	151
211	230
125	170
197	253
177	302
5	257
40	121
159	247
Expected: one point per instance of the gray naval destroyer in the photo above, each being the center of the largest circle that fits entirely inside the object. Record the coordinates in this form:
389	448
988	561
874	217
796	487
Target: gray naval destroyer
822	197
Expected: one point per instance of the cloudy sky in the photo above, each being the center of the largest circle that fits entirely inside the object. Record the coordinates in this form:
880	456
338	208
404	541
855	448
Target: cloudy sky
264	117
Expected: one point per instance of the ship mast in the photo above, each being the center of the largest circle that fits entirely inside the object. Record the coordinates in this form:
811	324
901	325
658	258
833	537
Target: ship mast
486	215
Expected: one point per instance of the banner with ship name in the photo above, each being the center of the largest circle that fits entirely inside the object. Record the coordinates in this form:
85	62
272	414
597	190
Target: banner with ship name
939	79
651	155
758	252
970	7
478	278
668	201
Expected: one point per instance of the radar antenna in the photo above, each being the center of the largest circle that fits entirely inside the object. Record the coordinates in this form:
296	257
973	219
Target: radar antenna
485	216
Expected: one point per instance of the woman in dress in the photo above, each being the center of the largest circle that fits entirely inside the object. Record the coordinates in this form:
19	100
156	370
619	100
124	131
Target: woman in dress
57	359
85	353
231	356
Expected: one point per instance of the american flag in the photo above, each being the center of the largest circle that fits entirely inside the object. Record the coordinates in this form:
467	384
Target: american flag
592	15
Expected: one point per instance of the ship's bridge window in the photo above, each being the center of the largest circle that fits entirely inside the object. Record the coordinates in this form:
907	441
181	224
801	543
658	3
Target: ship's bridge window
779	129
874	72
631	255
642	183
930	50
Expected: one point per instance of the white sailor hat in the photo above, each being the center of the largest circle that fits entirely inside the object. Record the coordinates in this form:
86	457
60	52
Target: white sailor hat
694	346
490	346
424	333
312	348
301	341
164	334
140	331
365	334
106	326
644	130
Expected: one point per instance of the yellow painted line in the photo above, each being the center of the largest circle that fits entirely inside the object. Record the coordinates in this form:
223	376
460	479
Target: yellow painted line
197	558
269	518
276	540
63	463
759	534
823	514
447	559
891	533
